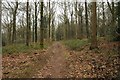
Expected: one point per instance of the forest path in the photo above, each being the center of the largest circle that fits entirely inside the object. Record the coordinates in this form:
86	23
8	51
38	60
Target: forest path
55	68
58	61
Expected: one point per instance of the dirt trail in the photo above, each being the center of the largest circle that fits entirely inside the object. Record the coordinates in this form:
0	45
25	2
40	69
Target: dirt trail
59	62
55	68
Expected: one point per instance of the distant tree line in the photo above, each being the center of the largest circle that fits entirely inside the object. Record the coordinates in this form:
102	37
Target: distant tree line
39	22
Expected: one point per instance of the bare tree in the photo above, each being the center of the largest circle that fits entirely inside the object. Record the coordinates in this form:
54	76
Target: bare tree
41	26
70	7
112	12
86	19
27	19
49	27
76	17
80	21
53	30
65	19
14	22
33	29
0	27
103	23
93	27
35	21
0	39
53	21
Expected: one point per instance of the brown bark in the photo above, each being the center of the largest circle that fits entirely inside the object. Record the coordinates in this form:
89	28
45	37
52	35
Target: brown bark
53	31
65	21
80	28
49	27
27	29
103	23
113	15
71	27
0	28
76	17
41	27
35	21
33	30
86	19
9	34
94	27
29	24
112	12
14	23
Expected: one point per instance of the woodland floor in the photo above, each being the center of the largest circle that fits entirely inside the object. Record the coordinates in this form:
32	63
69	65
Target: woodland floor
58	61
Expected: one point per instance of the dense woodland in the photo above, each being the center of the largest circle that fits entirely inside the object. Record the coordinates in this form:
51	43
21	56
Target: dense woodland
51	28
76	20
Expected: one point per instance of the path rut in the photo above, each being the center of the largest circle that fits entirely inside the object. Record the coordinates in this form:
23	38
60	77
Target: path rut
55	68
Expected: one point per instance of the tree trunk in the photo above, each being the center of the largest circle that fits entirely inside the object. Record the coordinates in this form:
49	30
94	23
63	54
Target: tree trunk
53	31
76	17
29	19
103	23
118	11
80	28
23	28
65	21
41	27
49	27
86	18
113	14
94	27
0	27
33	30
119	14
35	21
9	34
72	28
98	21
27	29
14	23
0	39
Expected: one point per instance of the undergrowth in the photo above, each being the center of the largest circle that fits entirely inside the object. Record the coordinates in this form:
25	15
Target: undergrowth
76	44
21	48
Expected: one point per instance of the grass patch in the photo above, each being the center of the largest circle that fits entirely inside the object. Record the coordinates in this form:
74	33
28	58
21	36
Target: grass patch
76	44
22	48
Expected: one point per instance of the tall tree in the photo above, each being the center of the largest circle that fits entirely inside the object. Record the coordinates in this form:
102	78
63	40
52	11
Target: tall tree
35	21
27	19
113	14
49	27
33	29
76	17
72	31
103	21
93	26
118	10
53	21
86	19
53	30
98	19
0	26
14	22
118	30
65	20
29	25
0	39
112	10
41	26
80	21
118	27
